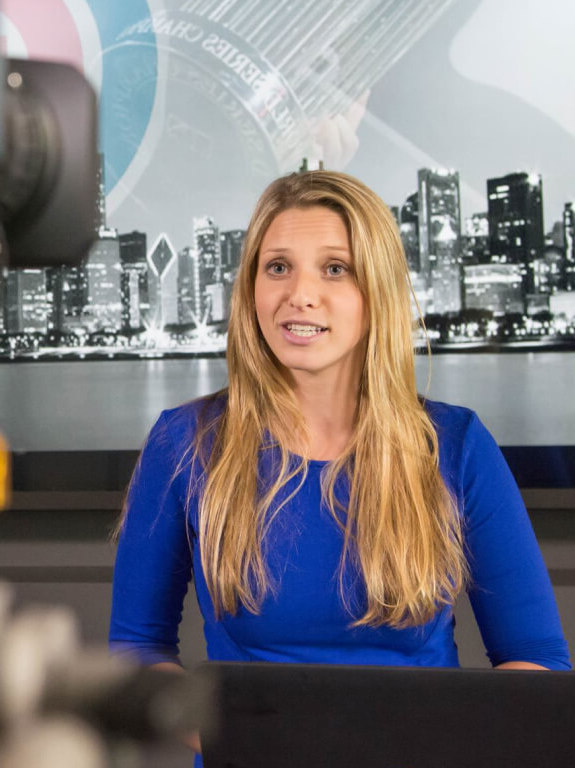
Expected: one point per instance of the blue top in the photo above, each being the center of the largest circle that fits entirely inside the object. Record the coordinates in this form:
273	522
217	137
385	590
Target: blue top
305	620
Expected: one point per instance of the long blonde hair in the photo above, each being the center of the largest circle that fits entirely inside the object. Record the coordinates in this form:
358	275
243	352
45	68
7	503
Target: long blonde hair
401	528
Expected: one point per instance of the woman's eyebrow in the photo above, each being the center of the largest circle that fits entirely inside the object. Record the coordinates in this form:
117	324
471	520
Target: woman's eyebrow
326	248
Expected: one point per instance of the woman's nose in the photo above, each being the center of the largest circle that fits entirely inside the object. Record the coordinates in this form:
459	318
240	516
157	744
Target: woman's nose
304	291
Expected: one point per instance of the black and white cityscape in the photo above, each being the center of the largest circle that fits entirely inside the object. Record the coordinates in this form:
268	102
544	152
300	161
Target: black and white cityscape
498	280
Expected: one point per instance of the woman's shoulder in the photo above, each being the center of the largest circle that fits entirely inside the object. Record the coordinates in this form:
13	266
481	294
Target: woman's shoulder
454	424
182	422
208	407
447	415
464	442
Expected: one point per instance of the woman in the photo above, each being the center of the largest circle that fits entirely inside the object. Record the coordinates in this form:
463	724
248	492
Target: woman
327	512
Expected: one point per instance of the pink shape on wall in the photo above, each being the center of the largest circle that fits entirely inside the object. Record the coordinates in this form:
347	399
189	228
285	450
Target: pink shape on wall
47	28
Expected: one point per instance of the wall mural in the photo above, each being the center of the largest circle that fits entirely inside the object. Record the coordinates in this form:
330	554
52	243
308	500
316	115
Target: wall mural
454	111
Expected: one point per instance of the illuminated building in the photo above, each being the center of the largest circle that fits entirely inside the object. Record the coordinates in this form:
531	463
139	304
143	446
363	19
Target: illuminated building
207	244
569	245
163	283
476	240
440	237
537	303
54	284
11	302
27	308
69	289
3	298
216	302
210	278
494	287
100	213
563	303
420	290
409	231
134	279
103	310
231	243
515	211
190	304
548	271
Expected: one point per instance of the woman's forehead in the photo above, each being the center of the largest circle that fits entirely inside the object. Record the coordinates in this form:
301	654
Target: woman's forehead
315	223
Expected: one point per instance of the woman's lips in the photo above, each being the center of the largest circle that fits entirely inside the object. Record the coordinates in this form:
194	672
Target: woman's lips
302	333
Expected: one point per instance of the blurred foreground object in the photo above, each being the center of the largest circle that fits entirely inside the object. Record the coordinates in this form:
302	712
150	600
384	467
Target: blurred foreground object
51	742
48	164
5	482
89	710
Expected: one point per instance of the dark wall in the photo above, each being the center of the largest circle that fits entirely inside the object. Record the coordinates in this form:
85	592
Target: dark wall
55	546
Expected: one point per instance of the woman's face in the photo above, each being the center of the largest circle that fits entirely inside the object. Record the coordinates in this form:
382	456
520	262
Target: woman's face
309	308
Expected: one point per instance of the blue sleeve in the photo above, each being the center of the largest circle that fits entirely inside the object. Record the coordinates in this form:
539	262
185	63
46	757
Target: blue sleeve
153	562
510	591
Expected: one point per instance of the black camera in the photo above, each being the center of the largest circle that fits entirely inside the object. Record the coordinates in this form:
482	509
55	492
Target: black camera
48	164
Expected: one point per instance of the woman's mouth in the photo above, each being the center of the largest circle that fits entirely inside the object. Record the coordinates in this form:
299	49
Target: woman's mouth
304	331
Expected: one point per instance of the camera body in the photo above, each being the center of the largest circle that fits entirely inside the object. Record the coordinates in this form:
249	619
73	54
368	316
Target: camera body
48	164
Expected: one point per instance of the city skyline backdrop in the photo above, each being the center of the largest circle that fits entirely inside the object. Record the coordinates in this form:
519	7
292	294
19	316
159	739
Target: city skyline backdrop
204	103
498	278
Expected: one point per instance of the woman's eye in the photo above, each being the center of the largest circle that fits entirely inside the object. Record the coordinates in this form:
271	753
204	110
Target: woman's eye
277	268
335	270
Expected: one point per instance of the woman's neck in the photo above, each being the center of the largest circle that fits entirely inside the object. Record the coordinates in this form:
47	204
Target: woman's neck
329	411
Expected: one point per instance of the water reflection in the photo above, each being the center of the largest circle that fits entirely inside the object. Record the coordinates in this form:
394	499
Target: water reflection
524	399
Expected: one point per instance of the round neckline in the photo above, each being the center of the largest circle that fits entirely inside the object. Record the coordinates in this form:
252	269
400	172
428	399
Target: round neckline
312	462
297	457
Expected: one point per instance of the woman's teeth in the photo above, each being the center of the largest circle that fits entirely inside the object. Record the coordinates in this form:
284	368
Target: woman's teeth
305	330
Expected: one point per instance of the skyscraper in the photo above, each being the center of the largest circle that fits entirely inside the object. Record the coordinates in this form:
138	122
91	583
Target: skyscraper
70	289
210	278
103	310
100	212
216	302
516	235
134	279
207	243
189	296
440	237
569	245
409	230
11	302
3	298
475	249
231	243
163	283
27	308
